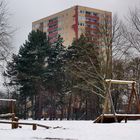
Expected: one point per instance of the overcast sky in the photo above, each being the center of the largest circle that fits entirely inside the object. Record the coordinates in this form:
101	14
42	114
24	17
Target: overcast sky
24	12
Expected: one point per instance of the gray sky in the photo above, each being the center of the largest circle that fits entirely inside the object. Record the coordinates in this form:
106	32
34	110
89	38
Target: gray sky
25	11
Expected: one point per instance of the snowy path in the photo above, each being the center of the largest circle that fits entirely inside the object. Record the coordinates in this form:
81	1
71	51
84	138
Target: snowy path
73	130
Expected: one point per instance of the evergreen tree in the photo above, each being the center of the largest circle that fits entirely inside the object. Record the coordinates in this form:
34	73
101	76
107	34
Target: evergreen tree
55	78
84	70
30	67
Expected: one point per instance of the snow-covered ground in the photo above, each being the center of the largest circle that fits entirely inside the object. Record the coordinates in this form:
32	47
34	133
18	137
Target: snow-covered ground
73	130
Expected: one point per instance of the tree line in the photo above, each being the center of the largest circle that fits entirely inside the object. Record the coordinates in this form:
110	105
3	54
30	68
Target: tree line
44	78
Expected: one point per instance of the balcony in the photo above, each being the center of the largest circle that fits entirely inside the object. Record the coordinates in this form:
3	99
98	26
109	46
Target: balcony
53	28
92	22
91	29
53	34
92	16
53	23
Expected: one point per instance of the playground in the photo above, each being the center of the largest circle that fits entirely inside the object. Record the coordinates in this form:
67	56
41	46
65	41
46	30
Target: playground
77	130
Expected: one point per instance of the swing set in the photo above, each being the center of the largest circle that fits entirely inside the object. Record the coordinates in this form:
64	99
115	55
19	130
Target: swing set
109	114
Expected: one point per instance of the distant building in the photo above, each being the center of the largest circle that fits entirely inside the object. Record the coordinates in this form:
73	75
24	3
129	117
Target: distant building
72	22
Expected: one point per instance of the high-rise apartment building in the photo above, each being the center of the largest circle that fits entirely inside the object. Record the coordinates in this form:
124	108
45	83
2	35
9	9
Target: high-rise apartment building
72	22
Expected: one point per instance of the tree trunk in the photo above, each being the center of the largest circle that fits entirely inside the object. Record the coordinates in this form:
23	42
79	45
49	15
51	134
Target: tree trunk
86	110
69	107
62	113
33	106
25	109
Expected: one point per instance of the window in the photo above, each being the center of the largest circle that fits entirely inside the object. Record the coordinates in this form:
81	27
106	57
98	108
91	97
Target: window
53	19
33	26
88	25
82	11
45	22
88	19
94	20
81	24
36	26
81	18
45	28
88	13
93	26
94	14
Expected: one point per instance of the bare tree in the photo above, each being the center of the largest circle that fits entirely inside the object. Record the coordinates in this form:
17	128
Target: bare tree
120	44
114	45
5	32
133	29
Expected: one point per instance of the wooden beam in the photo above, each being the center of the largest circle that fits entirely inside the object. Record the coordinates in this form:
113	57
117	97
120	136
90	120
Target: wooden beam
7	115
119	81
109	118
34	125
8	100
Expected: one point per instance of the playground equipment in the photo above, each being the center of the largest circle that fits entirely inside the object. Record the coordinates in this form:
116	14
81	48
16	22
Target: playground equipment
14	120
11	113
15	124
11	108
109	114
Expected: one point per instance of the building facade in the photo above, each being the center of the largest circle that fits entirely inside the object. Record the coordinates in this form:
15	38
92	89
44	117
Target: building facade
72	22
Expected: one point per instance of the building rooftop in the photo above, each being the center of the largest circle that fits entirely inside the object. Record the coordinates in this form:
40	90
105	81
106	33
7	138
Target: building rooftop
98	10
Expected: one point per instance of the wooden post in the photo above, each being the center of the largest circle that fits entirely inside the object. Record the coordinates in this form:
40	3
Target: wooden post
34	126
13	125
14	121
112	104
12	107
126	119
133	94
137	98
109	103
